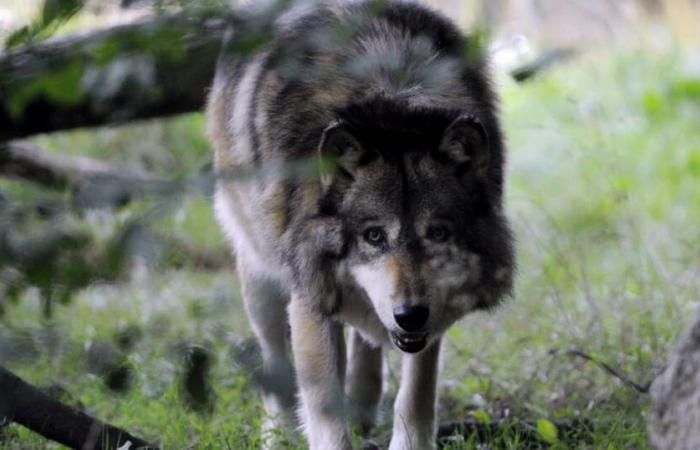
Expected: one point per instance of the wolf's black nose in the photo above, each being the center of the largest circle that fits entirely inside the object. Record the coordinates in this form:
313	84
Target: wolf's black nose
411	318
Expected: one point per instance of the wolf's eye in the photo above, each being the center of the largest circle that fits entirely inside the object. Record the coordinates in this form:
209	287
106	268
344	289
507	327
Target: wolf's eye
438	233
374	236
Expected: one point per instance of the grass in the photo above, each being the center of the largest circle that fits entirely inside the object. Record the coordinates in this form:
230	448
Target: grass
604	194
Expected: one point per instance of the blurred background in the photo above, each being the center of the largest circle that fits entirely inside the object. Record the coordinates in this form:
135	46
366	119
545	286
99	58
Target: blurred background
117	291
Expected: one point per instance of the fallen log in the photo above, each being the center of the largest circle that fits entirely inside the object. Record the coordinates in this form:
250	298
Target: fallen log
26	405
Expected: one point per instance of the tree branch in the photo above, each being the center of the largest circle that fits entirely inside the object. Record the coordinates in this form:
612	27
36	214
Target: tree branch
25	161
154	68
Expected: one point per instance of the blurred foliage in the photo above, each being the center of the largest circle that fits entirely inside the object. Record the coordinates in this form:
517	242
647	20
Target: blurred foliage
61	243
44	249
61	85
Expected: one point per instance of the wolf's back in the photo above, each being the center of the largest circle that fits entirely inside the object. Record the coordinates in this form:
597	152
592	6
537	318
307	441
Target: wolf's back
275	105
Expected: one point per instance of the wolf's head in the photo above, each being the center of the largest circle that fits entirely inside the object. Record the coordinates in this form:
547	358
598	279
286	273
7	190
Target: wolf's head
427	239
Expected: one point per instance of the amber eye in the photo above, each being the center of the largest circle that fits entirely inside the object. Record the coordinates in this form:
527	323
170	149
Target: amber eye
438	233
374	236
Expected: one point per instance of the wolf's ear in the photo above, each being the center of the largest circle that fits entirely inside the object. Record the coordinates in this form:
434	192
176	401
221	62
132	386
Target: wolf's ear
466	144
339	147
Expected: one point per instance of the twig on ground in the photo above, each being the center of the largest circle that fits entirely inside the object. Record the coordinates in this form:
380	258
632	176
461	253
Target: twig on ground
639	387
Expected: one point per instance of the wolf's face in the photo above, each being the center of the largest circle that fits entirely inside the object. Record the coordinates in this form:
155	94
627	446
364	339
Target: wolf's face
425	244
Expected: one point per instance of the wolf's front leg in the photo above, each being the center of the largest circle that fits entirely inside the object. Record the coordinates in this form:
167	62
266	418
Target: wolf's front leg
265	304
364	382
319	357
414	409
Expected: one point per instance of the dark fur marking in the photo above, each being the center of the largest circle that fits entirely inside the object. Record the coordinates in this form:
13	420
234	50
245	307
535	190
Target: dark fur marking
463	169
253	109
291	191
385	125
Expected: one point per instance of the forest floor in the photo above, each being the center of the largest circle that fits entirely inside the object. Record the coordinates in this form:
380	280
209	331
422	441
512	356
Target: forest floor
604	196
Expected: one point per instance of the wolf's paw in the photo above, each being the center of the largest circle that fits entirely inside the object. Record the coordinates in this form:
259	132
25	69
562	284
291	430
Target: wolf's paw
403	441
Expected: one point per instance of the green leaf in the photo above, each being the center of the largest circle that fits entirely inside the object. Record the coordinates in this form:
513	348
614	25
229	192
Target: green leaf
59	10
686	89
19	37
547	431
482	416
53	14
652	102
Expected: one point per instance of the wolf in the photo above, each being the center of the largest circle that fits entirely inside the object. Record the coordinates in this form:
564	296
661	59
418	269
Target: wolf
398	234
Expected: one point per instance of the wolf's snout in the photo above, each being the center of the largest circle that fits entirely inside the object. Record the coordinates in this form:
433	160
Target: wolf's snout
411	318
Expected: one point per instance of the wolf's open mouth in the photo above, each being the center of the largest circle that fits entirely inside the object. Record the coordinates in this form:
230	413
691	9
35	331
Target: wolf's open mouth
410	342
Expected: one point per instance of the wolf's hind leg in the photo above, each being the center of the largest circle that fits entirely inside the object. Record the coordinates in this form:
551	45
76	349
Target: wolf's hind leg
363	387
265	304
